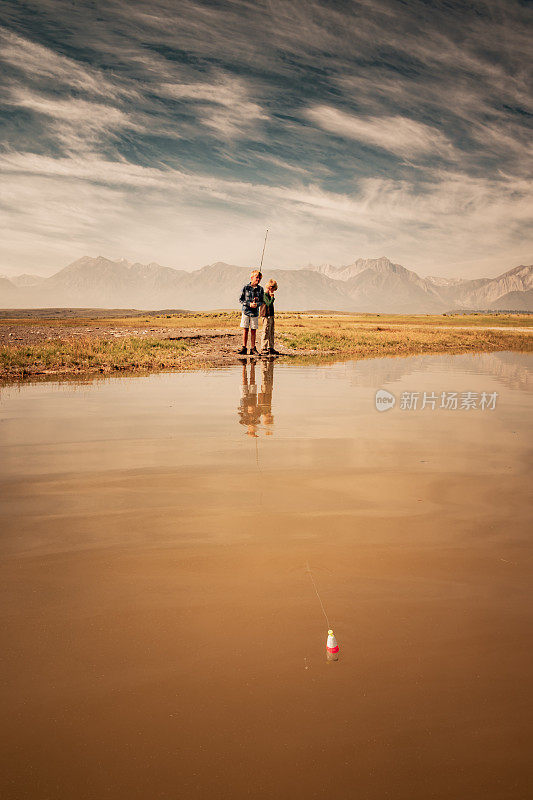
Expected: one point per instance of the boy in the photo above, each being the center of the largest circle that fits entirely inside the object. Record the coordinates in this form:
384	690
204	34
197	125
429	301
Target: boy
252	298
267	321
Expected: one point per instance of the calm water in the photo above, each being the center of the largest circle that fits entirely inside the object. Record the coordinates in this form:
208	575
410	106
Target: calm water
162	637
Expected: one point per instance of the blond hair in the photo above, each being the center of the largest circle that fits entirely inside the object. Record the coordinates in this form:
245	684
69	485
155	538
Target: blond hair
256	272
272	284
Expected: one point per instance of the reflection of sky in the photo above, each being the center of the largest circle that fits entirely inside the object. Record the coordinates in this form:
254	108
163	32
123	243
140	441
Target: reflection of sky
174	131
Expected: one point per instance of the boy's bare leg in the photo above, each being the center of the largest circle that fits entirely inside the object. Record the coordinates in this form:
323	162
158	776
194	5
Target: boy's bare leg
264	336
245	337
253	333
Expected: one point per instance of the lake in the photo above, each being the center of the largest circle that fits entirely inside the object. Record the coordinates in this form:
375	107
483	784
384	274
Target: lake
162	538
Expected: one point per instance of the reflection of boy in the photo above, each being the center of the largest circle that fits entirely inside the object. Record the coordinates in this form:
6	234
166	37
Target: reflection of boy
248	411
264	397
252	298
267	321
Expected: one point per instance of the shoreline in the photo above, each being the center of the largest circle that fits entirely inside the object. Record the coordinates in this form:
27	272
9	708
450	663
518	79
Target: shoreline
81	348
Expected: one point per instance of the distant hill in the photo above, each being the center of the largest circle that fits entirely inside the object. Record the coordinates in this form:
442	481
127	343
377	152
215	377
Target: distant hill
27	280
514	301
371	285
492	293
8	293
380	285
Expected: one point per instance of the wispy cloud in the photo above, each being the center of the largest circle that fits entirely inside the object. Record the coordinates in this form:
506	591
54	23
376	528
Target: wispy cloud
223	105
75	123
397	134
175	132
35	62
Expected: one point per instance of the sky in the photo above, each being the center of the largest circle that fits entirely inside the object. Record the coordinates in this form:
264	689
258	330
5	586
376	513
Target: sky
177	131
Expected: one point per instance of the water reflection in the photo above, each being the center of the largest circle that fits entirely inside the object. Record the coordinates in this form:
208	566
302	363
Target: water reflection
136	516
255	408
512	370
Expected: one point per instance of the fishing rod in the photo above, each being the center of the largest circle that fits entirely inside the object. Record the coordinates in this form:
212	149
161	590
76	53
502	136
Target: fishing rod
263	253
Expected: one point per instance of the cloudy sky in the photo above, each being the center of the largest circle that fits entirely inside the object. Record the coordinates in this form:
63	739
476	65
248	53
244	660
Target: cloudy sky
176	131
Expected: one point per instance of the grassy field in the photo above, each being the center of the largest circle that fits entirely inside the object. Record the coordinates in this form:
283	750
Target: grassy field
372	342
80	345
230	319
89	355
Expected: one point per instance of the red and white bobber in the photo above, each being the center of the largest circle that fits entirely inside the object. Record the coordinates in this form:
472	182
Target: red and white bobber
332	648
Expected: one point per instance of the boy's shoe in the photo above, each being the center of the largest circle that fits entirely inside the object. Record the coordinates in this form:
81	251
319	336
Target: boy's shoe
242	351
274	352
253	351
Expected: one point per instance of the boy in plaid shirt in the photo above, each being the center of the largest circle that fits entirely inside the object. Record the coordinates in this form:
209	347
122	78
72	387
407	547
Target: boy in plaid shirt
252	298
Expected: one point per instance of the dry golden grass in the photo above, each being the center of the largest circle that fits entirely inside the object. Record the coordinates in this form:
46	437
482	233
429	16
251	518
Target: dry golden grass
214	319
371	342
230	319
91	355
345	321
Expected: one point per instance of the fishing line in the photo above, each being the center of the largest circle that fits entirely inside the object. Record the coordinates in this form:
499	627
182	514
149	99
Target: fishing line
317	592
260	471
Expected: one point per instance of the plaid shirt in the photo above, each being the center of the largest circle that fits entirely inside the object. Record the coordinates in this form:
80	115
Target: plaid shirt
248	295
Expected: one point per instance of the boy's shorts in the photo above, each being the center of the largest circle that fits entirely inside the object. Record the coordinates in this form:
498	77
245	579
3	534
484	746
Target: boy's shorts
249	322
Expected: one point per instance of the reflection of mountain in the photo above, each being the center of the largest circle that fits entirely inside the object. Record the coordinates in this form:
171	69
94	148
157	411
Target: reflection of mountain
513	370
373	285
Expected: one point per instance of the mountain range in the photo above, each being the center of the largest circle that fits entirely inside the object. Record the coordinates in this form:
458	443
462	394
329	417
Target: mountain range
367	285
